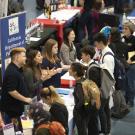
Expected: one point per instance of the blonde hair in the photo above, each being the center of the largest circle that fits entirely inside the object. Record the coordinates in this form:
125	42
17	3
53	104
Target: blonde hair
51	92
16	50
91	92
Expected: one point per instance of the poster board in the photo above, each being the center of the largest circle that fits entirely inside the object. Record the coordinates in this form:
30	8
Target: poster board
12	34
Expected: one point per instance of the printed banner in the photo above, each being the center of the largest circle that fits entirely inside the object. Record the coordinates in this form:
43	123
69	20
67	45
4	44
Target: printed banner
12	34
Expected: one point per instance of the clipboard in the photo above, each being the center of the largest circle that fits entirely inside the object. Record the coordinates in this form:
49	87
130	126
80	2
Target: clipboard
130	54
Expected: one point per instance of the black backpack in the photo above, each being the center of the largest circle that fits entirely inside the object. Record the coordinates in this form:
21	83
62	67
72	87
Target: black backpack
119	71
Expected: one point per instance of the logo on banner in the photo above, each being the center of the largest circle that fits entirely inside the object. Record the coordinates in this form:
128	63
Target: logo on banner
13	26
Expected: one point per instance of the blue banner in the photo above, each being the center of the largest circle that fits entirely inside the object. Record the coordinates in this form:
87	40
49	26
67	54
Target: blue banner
12	34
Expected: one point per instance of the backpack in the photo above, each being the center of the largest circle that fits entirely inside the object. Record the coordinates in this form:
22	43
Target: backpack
120	108
119	71
55	128
107	81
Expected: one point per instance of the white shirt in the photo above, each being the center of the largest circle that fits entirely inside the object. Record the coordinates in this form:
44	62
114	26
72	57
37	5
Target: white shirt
85	63
108	61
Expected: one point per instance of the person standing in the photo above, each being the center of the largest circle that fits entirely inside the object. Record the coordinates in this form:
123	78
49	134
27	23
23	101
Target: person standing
107	62
129	39
14	92
84	20
79	114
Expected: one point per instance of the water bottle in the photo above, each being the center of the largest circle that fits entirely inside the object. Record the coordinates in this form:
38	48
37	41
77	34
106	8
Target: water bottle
28	38
124	18
38	32
41	27
18	133
70	84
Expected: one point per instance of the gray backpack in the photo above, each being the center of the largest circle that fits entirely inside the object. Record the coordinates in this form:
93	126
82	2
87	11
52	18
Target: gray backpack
107	81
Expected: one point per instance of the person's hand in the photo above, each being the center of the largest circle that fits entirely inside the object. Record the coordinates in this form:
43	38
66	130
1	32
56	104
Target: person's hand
52	72
59	70
28	100
129	61
2	123
45	75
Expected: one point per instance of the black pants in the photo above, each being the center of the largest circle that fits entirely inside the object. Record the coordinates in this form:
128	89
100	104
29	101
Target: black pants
93	128
105	116
81	122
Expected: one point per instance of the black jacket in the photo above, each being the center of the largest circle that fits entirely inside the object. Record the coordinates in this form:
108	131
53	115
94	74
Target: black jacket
59	113
78	95
130	44
120	50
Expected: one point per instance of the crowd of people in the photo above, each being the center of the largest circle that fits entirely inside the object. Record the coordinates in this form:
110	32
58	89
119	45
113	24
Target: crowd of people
33	73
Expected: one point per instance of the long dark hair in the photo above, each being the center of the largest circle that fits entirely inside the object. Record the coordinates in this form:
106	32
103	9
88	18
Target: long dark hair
78	68
47	51
30	63
66	40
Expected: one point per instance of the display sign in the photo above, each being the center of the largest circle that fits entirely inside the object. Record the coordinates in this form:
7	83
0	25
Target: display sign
12	34
8	129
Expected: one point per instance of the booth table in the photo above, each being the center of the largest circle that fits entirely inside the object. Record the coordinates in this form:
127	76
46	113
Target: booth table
46	34
59	19
67	96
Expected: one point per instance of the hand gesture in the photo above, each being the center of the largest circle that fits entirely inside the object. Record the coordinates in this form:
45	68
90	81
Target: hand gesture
59	70
28	100
45	75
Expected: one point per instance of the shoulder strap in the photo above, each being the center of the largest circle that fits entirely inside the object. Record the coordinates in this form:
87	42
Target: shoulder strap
93	64
107	53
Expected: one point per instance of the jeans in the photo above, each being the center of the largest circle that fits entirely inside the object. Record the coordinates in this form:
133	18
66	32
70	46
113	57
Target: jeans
130	92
